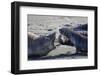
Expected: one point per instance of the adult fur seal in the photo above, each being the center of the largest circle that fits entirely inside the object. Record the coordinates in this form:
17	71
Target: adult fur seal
40	46
78	40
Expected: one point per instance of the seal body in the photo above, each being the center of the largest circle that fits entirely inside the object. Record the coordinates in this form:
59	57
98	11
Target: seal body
78	40
40	46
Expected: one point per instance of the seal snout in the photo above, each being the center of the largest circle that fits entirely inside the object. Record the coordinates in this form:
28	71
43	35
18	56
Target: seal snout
62	30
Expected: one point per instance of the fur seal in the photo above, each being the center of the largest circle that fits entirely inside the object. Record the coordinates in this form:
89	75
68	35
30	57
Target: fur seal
40	46
78	40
